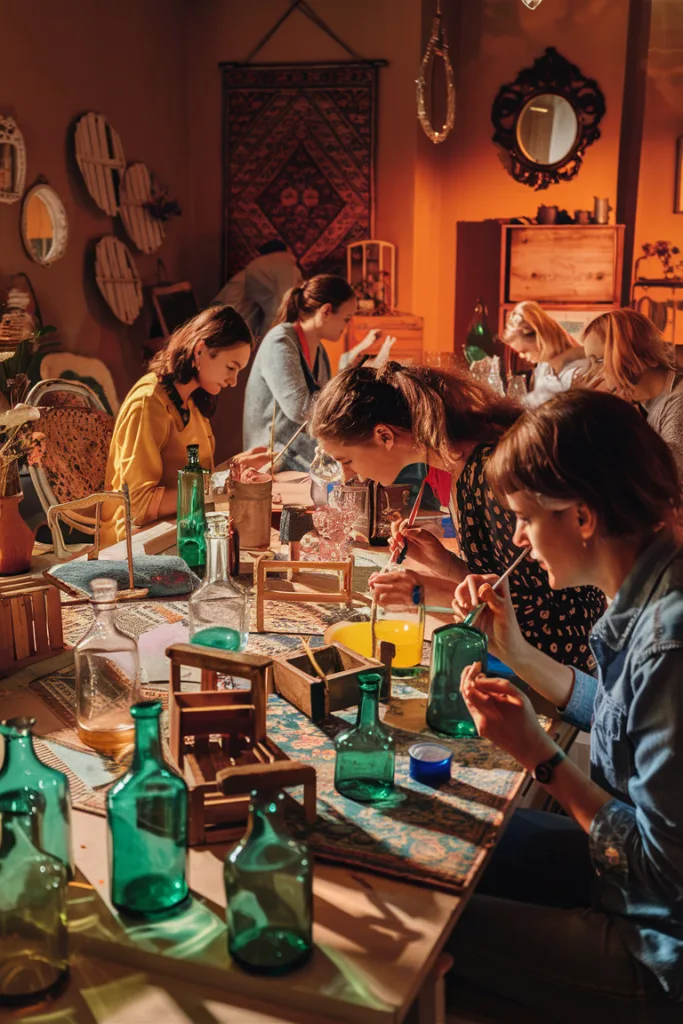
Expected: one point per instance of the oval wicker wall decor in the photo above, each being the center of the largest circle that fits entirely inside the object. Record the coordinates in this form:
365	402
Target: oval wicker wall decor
99	155
118	279
136	190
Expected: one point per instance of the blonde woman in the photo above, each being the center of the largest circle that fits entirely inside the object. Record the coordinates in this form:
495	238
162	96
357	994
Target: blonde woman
636	364
534	335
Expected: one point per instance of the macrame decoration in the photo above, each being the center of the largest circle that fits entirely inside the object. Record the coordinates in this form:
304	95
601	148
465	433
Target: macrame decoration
436	47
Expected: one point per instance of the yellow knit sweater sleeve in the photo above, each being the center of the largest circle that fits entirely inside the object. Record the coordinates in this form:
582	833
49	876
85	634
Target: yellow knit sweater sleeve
140	435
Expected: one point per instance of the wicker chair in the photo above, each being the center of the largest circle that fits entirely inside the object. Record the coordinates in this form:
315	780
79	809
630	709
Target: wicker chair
69	481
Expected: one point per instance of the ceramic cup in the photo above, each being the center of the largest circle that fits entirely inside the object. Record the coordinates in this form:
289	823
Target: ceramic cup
547	214
582	216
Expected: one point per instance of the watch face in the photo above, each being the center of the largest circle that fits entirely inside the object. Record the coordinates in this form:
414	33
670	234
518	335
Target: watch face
543	773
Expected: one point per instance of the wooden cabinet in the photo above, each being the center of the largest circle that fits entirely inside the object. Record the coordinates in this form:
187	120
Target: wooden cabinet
573	270
406	328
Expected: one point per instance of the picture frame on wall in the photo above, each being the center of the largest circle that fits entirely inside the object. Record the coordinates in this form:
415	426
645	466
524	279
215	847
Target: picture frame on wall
678	197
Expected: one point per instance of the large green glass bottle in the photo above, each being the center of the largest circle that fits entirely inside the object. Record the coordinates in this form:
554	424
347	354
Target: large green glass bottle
33	885
22	771
454	647
364	766
269	891
479	340
147	813
191	522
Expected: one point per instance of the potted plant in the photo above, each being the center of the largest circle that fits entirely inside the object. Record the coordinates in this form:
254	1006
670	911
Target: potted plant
665	253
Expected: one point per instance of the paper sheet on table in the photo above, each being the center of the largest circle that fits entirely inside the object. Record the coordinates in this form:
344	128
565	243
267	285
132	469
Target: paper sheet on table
408	713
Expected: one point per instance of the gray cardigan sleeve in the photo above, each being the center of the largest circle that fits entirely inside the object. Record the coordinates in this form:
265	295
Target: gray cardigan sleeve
282	372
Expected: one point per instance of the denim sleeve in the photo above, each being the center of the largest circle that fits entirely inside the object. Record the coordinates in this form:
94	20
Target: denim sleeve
578	710
642	845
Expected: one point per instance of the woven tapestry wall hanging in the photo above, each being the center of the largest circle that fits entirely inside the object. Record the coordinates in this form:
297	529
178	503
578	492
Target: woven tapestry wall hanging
298	161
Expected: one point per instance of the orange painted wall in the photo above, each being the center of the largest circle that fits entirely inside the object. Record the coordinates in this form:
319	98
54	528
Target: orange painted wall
663	125
127	61
491	43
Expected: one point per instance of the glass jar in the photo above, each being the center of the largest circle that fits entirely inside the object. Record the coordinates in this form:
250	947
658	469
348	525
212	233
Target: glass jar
403	626
107	678
147	811
454	647
219	608
324	472
34	955
190	519
269	891
22	771
365	754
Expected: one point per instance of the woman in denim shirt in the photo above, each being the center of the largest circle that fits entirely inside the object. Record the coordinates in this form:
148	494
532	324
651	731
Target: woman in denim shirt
581	917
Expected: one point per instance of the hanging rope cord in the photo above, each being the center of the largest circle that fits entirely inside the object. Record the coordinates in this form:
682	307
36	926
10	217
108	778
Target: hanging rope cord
436	47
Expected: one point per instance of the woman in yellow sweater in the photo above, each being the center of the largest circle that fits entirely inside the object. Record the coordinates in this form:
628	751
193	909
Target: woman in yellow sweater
168	409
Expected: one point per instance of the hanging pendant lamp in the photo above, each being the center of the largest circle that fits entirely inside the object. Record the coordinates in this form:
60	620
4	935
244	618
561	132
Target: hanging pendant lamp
437	47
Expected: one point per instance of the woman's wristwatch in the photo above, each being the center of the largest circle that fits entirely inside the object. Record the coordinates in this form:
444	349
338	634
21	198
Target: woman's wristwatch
544	771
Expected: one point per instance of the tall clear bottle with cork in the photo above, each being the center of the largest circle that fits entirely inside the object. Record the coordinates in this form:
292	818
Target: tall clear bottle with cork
107	678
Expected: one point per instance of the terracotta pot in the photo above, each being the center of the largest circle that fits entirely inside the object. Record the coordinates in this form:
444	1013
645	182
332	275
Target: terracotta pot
16	538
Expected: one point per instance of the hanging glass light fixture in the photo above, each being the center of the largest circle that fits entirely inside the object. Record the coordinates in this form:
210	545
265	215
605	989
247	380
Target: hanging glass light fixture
532	4
437	47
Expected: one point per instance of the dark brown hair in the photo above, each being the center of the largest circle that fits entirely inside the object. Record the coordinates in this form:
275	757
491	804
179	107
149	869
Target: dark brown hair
219	327
306	299
439	409
593	448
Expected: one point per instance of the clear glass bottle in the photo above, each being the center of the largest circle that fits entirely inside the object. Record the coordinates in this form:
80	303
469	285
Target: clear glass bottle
147	811
364	766
107	677
269	891
479	340
219	608
324	473
22	771
454	647
34	955
190	520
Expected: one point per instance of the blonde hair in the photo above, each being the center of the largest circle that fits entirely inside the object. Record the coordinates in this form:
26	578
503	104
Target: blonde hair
632	345
551	337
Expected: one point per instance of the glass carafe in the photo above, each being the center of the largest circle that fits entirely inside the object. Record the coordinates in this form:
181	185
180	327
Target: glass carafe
190	519
269	891
324	473
364	766
106	678
148	822
219	608
479	340
454	647
33	886
23	772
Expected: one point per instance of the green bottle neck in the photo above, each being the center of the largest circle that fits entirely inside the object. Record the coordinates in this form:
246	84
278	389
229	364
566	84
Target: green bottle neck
19	750
266	818
368	709
147	742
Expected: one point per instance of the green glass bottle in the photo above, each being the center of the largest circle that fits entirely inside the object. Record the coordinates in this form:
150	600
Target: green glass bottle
479	340
147	814
191	521
34	956
22	771
364	766
454	647
269	891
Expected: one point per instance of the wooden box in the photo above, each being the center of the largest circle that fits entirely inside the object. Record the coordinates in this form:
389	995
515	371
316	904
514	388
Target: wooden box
30	623
218	740
405	327
566	263
296	680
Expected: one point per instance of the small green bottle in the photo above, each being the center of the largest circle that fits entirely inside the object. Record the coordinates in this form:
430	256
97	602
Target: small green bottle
22	772
34	956
364	766
454	647
269	892
479	340
147	813
191	519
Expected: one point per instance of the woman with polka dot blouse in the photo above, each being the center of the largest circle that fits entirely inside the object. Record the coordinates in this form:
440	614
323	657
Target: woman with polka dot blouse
375	422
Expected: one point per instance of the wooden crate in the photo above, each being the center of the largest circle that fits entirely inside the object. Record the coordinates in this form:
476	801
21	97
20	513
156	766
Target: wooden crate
30	623
405	327
305	574
565	263
296	681
218	740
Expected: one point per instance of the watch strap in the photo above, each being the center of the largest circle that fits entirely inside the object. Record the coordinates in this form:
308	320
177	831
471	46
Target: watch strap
543	772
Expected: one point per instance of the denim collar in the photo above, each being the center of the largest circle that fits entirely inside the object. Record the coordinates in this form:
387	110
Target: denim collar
619	621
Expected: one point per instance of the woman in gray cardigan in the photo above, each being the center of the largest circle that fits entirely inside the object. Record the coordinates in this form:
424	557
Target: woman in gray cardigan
291	366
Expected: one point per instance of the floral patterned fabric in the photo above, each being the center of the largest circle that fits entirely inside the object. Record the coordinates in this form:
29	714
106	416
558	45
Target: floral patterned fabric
76	446
556	621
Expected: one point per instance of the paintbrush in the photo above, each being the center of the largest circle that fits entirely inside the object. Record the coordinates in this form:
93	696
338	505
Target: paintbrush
272	438
472	616
312	658
278	455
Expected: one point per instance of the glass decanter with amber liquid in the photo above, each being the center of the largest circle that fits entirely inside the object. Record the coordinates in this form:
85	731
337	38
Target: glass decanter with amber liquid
107	678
